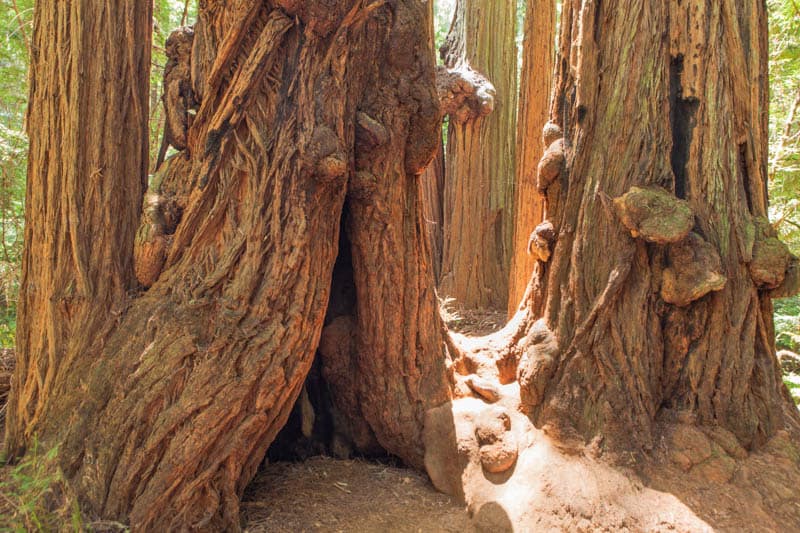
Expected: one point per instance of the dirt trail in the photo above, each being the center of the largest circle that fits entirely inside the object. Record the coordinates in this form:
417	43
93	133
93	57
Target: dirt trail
330	495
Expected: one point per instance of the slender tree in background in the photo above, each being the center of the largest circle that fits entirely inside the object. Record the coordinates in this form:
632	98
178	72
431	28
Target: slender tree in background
479	175
538	61
300	176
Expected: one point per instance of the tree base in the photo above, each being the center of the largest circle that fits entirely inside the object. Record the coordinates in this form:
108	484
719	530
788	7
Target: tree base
513	475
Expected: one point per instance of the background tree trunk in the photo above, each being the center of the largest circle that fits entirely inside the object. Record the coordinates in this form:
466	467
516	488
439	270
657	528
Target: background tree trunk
87	170
479	182
538	61
164	407
644	325
656	298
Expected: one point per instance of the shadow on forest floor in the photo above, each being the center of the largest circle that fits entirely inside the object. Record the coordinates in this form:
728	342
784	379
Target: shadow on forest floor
326	494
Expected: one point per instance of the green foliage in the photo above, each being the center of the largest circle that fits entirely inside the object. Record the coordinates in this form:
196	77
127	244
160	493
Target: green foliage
443	11
784	161
787	323
792	382
167	15
784	138
32	496
16	18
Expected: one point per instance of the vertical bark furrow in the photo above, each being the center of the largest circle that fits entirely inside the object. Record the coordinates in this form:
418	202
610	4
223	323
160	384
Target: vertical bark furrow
85	180
163	418
479	167
538	62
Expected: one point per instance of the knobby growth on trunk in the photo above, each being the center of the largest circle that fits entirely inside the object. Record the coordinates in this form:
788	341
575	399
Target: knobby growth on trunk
163	402
306	129
657	195
649	313
479	175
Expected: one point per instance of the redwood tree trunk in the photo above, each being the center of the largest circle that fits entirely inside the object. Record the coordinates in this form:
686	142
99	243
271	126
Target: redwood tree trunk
479	175
660	300
649	318
433	208
655	298
87	169
536	77
164	404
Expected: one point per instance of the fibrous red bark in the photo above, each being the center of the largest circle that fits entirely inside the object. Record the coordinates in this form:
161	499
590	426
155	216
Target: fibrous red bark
701	136
163	401
164	405
536	77
480	59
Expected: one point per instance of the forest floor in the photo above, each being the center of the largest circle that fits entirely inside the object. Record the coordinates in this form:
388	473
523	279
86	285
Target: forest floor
715	487
330	495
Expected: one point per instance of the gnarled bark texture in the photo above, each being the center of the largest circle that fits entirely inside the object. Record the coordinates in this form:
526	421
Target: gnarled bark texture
649	320
533	111
479	175
663	107
164	404
659	263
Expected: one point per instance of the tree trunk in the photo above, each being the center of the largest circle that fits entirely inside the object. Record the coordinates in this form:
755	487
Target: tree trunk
538	61
655	277
660	298
164	404
479	182
655	296
433	208
87	170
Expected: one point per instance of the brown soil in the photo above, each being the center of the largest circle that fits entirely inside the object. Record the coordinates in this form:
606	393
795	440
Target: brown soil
472	322
325	494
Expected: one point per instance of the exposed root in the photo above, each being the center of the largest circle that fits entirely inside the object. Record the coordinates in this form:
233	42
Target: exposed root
512	475
537	365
